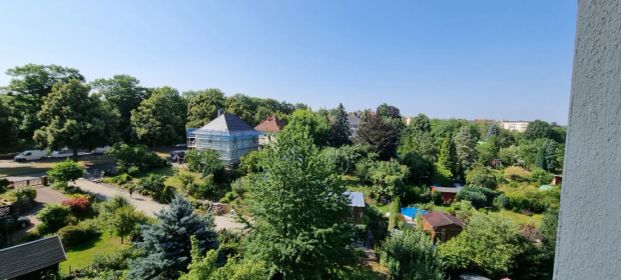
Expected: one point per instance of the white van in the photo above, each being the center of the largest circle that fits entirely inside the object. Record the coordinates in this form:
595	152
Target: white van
31	155
101	150
65	153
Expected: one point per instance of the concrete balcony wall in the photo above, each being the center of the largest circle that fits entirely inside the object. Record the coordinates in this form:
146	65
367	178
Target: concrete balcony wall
589	244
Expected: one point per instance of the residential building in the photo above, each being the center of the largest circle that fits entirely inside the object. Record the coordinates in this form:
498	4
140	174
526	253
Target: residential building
442	226
228	135
32	260
519	126
354	120
268	130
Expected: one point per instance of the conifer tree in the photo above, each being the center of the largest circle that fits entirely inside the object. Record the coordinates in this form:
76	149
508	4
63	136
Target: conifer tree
340	133
448	155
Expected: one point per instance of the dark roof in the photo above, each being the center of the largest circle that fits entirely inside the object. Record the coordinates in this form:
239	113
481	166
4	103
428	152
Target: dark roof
32	256
271	124
356	199
227	123
438	219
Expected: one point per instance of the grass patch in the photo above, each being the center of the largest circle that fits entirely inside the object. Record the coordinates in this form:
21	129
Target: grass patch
518	218
22	170
82	255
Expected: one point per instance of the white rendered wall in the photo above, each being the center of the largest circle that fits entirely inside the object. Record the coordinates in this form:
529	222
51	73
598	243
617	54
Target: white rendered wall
589	237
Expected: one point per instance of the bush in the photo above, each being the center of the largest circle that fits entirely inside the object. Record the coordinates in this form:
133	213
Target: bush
482	176
22	198
118	180
53	217
153	185
78	205
66	171
76	235
541	176
478	196
4	185
516	173
532	199
206	162
135	158
343	160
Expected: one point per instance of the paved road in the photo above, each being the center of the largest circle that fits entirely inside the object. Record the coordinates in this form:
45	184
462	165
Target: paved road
145	204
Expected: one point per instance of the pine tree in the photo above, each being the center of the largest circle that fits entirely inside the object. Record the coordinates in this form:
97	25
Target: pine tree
466	148
540	159
166	247
340	133
299	212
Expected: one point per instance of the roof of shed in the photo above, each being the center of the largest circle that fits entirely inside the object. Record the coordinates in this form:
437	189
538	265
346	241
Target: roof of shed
446	190
227	123
438	219
32	256
356	199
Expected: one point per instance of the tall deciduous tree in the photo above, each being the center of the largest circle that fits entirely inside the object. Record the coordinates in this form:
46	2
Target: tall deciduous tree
340	132
125	219
30	84
305	121
165	249
417	150
160	119
299	212
421	123
537	129
243	106
72	118
381	136
124	93
8	126
412	256
203	106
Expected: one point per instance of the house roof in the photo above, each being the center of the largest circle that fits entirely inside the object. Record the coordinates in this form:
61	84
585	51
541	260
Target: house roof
446	190
356	199
271	124
353	118
32	256
439	219
227	123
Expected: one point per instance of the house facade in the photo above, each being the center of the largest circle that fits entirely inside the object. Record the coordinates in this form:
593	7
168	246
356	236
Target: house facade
519	126
228	135
268	130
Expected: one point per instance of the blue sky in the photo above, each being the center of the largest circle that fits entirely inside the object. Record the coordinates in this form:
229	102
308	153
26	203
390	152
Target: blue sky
466	59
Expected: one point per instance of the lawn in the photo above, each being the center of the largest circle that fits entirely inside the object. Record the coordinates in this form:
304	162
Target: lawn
82	255
352	183
11	168
518	218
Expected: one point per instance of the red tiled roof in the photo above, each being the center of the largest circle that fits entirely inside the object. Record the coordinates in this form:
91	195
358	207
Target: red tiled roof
438	219
271	124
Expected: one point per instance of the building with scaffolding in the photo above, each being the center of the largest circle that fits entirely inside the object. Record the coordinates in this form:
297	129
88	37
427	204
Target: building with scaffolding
228	135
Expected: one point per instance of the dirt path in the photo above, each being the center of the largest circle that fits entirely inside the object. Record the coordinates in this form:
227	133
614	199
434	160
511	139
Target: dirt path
145	204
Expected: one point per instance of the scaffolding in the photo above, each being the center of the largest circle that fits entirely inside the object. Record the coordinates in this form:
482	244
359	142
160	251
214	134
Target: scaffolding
231	146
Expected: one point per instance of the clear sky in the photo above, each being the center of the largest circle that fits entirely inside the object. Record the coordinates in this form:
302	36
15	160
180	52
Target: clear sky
508	59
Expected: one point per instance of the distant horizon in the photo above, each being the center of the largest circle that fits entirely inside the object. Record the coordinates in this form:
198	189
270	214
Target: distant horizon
508	60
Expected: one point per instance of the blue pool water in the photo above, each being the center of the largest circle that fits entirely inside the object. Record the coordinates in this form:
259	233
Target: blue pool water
411	212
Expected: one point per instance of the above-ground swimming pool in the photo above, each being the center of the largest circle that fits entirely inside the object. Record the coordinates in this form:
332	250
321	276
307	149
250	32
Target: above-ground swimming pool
410	212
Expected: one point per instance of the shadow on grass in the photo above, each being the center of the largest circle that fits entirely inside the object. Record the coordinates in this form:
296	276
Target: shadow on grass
85	245
22	170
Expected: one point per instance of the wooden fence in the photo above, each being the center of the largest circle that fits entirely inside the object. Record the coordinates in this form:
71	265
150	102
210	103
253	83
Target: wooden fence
41	181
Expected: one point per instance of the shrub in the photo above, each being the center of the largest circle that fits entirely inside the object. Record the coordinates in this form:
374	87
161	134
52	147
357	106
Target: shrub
541	176
395	207
66	171
344	159
52	217
517	173
22	198
118	180
4	185
78	205
478	196
482	176
136	158
206	162
78	234
153	185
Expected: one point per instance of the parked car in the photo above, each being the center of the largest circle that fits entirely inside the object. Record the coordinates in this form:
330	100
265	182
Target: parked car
30	155
101	150
65	153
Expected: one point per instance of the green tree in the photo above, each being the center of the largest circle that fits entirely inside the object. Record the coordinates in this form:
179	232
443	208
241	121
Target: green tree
421	123
155	186
30	84
203	106
242	106
482	176
8	127
417	150
537	129
124	94
66	171
340	132
378	134
388	111
448	156
135	157
305	121
52	217
388	178
165	247
71	118
206	162
160	119
412	256
490	244
466	149
298	242
124	220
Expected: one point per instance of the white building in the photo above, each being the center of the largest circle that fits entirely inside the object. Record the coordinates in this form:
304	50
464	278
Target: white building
519	126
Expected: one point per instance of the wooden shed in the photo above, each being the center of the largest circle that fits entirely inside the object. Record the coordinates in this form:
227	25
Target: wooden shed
442	226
